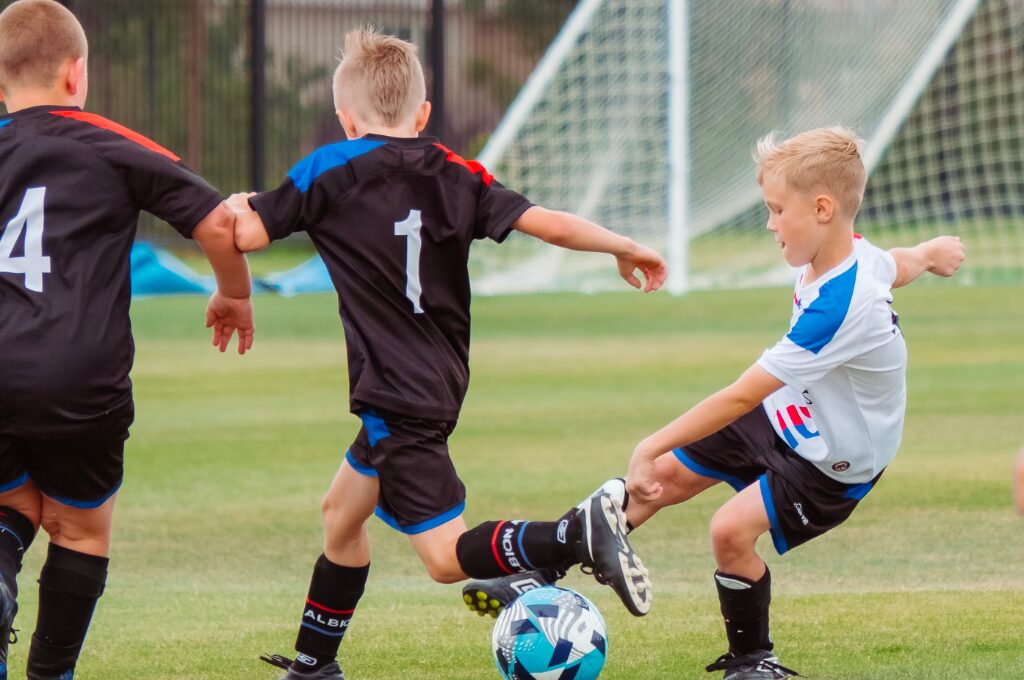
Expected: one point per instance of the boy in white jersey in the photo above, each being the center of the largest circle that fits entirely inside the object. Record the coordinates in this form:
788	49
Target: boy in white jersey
807	430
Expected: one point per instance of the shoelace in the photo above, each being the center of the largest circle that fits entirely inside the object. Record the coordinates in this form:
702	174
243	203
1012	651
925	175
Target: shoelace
727	662
277	660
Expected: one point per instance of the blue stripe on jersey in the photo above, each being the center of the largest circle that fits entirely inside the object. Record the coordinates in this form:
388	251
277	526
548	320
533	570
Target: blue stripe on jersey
857	492
5	122
327	158
821	320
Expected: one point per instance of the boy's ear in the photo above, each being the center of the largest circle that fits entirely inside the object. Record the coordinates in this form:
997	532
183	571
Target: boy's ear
348	124
422	116
824	208
74	78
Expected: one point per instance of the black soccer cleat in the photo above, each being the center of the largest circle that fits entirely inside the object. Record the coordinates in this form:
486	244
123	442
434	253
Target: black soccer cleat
757	665
491	596
8	609
604	551
329	672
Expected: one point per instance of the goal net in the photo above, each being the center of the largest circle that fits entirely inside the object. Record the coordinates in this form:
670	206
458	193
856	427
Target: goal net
643	114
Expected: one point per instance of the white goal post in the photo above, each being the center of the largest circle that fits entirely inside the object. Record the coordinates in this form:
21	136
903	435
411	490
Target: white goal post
642	116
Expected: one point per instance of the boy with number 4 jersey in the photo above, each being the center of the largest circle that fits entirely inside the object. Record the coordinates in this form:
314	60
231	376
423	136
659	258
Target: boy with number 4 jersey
71	187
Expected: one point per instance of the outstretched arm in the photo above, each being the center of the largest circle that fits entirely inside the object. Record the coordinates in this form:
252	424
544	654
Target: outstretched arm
707	417
575	233
941	256
230	306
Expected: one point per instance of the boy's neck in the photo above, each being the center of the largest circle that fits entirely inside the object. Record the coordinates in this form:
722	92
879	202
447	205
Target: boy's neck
26	99
408	131
836	248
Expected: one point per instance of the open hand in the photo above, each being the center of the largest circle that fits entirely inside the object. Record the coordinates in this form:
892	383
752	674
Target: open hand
650	263
227	315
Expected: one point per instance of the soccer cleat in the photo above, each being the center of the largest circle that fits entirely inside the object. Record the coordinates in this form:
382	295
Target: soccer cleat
604	550
614	487
8	608
491	596
329	672
756	665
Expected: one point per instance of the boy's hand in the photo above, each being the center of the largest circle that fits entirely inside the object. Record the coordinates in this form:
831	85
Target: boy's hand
640	482
946	254
240	202
650	263
226	315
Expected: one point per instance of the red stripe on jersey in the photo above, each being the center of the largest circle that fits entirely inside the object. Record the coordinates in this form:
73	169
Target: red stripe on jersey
472	166
856	235
101	122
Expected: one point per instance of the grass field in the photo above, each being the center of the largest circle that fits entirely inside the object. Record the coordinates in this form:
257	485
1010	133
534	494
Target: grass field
218	522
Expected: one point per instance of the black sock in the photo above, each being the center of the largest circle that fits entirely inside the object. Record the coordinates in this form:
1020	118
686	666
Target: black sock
507	547
16	534
334	592
745	609
69	585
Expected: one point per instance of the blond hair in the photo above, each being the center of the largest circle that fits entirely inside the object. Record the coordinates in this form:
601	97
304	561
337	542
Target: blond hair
825	159
379	79
36	38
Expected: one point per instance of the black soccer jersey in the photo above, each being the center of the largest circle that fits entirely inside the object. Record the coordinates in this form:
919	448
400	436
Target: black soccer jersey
71	187
393	220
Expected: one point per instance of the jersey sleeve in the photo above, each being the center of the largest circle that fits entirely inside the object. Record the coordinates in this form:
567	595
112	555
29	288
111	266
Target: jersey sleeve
287	209
162	184
497	209
828	333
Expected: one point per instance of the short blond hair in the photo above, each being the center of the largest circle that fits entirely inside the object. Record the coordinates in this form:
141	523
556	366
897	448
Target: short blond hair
825	159
36	38
379	78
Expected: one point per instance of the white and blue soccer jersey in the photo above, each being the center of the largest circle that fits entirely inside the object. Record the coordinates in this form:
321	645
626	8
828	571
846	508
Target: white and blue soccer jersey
844	364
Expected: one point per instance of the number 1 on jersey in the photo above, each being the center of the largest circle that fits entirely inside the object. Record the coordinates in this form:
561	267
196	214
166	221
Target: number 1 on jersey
33	264
410	227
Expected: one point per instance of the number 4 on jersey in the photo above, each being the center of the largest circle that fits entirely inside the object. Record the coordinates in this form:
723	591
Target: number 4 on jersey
33	264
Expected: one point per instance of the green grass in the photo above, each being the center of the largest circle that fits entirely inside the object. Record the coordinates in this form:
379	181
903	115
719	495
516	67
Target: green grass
218	522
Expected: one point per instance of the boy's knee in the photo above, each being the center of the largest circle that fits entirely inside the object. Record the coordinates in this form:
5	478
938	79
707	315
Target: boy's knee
729	535
443	568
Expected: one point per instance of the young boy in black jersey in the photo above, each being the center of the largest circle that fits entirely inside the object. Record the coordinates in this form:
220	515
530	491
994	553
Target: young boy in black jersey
394	215
71	188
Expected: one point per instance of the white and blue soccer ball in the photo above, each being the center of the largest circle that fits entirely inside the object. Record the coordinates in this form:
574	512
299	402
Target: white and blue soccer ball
550	633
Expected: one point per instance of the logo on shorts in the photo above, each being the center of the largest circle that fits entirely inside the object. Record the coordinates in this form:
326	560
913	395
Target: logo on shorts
841	466
800	511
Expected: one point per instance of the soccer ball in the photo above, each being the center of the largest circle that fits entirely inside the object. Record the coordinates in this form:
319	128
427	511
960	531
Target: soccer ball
550	633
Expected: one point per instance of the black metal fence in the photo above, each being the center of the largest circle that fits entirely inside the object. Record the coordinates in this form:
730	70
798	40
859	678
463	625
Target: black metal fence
241	89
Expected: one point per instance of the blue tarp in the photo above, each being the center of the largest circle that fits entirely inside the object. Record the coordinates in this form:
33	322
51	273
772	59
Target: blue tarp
309	277
157	272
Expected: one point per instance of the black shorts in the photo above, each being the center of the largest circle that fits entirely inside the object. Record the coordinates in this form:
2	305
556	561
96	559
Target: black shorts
802	502
83	472
419	489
